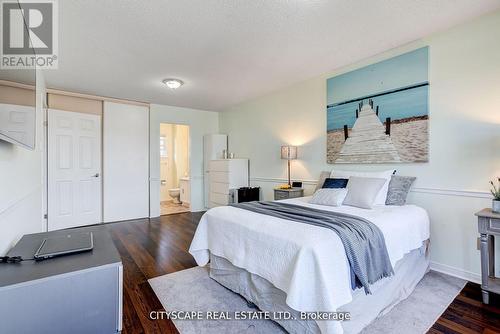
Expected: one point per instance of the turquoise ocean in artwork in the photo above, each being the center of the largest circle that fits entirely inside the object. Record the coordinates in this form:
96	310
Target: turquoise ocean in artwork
398	86
400	105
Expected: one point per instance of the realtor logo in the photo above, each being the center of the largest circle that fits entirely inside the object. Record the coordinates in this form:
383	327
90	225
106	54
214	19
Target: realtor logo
29	34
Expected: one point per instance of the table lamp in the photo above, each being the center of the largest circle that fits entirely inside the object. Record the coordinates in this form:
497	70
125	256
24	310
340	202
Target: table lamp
289	153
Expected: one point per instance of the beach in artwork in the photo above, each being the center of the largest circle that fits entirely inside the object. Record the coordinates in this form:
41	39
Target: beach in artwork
379	114
408	136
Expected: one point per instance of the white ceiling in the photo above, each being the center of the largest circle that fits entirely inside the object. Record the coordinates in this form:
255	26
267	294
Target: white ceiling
229	51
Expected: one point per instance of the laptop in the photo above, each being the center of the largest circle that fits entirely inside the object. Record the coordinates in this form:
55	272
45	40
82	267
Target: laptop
69	243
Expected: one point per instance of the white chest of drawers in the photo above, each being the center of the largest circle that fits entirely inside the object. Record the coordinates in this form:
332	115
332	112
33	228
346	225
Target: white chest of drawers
226	174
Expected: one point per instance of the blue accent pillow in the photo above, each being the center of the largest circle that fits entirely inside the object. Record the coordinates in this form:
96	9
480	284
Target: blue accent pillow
335	183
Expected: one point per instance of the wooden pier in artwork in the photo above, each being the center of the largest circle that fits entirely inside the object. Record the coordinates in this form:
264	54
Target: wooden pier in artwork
369	140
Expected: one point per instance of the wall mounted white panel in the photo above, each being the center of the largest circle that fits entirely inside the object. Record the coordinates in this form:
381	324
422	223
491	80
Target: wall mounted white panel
22	181
125	162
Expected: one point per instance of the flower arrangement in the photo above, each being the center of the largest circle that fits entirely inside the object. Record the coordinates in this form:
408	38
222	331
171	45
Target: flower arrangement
495	190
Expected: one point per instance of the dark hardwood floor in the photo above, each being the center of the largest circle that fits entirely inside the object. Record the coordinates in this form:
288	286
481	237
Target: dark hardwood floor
159	246
467	313
151	248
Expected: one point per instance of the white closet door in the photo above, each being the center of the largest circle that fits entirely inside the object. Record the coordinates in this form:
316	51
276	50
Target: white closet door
125	162
74	168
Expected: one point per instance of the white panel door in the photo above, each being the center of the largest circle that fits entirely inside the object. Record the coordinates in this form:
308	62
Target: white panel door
74	169
125	162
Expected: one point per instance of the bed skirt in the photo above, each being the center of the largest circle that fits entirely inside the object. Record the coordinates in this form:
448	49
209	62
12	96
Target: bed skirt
363	309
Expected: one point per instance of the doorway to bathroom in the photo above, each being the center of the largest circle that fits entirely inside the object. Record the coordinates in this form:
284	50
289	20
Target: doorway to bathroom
175	185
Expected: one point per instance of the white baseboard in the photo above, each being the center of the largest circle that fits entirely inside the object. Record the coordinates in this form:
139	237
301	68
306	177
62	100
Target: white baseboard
456	272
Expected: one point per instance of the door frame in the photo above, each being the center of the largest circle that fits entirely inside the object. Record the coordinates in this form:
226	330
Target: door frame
45	164
190	140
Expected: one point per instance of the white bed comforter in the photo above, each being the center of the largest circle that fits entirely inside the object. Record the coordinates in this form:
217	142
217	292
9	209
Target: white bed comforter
307	262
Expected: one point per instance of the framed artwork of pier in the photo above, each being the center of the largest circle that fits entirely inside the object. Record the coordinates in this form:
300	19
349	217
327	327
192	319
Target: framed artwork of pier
379	113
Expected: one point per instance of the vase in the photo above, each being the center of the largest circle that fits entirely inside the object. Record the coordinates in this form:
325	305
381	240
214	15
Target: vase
495	206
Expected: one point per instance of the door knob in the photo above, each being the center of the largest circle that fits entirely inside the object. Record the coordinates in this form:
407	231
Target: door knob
96	175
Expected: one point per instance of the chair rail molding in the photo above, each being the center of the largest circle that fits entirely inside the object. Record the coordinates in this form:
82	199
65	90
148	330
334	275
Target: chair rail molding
422	190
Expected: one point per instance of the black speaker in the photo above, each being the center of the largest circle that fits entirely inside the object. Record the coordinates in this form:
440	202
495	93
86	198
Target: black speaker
296	184
248	194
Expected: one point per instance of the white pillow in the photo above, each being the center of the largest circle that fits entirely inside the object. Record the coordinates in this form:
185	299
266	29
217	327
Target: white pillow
382	194
362	191
329	196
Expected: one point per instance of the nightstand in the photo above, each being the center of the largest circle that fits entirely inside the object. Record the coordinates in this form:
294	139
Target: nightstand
489	227
288	193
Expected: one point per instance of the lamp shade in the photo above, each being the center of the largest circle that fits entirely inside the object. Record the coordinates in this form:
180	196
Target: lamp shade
288	152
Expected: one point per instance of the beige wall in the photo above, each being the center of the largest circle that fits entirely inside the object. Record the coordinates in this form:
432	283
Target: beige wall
74	103
167	164
464	104
182	150
18	96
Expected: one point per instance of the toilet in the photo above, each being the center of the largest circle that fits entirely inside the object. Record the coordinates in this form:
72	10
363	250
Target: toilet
175	193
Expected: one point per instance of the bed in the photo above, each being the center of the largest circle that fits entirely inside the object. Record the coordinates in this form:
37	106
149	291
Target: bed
279	264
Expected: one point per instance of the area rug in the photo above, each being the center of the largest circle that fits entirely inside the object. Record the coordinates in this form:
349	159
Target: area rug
193	290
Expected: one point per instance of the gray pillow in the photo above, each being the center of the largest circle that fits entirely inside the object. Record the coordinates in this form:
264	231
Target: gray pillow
322	177
362	191
398	189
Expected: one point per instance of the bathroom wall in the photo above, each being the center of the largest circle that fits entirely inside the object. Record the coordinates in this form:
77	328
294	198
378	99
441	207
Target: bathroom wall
176	164
182	150
166	162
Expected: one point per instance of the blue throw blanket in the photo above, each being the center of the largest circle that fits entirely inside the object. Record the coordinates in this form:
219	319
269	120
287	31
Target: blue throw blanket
363	241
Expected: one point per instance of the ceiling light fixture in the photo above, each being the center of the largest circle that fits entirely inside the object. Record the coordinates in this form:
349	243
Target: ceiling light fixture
173	83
